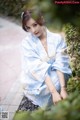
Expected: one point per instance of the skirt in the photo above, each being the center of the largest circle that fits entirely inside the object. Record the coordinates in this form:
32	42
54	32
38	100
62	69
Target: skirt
27	105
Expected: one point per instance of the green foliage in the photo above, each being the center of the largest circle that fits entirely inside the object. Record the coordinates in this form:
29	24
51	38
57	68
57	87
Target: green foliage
53	13
12	7
65	110
72	35
67	13
73	41
73	85
22	116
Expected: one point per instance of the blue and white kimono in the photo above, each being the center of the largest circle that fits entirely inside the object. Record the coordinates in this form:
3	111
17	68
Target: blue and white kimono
37	63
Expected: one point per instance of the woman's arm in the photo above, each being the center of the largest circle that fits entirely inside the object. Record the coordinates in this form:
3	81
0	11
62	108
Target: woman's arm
55	95
61	78
63	92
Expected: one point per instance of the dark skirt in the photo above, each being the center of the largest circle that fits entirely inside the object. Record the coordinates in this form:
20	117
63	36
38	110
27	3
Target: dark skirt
27	105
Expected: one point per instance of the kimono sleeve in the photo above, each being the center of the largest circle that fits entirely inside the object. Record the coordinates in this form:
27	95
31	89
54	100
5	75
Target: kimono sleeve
62	59
32	64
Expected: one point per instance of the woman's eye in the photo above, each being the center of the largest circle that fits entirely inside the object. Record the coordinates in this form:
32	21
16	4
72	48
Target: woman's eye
28	28
35	25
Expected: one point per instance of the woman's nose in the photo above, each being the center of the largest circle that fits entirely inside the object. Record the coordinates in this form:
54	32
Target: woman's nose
32	30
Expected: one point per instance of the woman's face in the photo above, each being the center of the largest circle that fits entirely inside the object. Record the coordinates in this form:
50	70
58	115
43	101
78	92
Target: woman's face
33	27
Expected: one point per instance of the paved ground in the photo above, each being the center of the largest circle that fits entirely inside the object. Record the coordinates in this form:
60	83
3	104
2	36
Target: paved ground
11	36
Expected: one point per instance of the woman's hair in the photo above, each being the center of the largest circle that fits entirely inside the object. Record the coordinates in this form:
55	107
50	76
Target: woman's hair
35	14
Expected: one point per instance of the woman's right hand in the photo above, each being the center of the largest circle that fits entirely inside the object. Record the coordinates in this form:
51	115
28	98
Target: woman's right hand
56	97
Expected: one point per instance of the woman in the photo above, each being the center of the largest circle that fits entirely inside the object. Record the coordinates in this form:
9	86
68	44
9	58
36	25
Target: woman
45	62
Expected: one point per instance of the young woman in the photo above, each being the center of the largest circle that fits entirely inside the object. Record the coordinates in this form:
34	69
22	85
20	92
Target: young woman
45	62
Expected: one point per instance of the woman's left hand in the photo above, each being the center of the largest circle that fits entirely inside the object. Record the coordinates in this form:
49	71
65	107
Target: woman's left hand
63	93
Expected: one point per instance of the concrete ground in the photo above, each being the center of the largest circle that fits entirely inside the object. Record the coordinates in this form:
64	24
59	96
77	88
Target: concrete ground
11	93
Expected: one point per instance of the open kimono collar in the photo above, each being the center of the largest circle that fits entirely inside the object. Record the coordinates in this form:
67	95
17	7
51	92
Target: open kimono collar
40	49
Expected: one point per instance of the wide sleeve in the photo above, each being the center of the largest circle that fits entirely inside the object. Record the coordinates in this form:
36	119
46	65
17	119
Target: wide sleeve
61	62
32	64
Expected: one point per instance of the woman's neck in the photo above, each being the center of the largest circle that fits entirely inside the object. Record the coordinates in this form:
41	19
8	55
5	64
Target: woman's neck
43	35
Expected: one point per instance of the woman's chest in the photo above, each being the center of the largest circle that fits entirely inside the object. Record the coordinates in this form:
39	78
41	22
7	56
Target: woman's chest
46	53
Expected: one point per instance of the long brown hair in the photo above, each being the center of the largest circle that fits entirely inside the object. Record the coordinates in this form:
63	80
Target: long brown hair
35	14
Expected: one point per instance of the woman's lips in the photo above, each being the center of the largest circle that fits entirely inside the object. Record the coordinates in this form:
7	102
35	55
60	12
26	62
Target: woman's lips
36	33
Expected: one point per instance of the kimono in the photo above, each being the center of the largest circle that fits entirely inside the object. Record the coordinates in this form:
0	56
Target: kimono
37	64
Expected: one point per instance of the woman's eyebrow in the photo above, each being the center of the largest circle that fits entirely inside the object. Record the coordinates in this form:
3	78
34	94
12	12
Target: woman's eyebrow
34	23
31	24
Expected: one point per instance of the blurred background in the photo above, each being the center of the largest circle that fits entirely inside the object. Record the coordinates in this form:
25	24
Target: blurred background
55	14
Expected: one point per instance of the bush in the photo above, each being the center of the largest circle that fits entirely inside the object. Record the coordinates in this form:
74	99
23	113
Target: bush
73	41
12	7
65	110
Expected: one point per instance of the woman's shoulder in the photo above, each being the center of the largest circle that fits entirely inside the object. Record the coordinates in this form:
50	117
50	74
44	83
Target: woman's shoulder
56	37
29	42
26	41
27	38
59	37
